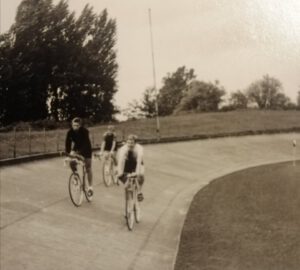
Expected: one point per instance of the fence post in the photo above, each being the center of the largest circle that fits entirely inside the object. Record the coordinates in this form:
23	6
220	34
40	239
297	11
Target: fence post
44	140
29	139
57	141
15	143
294	152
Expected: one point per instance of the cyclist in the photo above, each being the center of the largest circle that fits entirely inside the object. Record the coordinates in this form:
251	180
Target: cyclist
109	143
130	160
78	143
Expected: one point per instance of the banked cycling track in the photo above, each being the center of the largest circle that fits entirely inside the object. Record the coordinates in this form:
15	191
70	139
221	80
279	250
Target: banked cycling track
41	229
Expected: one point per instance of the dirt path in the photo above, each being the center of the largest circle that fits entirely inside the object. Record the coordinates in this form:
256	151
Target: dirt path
41	229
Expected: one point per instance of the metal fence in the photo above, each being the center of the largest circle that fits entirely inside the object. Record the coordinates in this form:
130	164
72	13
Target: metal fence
28	141
23	142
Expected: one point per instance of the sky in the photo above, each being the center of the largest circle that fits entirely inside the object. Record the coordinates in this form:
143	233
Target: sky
235	42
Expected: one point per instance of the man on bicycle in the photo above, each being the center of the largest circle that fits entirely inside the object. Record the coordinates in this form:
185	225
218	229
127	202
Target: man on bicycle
130	161
78	144
109	144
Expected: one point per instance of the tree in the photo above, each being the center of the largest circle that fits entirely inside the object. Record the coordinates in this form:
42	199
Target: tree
298	100
238	100
174	86
201	96
5	76
64	45
148	106
267	93
58	66
133	110
145	108
27	86
91	84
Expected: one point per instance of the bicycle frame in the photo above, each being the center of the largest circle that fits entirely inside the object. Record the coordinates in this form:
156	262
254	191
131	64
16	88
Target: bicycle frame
80	162
132	182
132	209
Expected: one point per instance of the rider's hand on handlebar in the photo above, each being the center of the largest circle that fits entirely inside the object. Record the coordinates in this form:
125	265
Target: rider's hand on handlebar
98	155
73	154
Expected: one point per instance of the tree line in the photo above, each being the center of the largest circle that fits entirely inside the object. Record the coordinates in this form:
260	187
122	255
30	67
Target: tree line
56	65
182	92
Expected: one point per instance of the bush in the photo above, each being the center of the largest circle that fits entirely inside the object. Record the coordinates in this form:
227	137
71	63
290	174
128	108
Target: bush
228	108
46	123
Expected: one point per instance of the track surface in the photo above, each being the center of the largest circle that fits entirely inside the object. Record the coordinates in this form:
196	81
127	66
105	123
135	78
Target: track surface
41	229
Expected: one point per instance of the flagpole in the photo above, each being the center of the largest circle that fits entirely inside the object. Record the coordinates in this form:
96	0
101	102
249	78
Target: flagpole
154	80
0	17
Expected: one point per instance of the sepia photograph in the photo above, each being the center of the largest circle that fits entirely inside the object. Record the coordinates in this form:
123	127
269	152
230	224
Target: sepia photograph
146	134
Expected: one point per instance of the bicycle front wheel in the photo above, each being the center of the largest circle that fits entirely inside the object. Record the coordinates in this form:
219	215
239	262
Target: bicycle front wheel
106	171
75	189
129	209
137	209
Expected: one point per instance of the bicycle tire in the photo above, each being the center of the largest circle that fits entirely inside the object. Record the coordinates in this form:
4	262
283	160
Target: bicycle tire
113	173
75	189
129	209
137	208
106	173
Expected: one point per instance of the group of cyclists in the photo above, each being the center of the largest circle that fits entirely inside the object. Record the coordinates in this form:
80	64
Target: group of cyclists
128	159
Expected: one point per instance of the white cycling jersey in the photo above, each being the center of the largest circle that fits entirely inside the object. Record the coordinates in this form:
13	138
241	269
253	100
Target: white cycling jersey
138	153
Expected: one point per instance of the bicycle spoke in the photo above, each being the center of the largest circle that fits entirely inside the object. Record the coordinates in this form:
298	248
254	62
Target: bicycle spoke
130	210
107	178
75	189
137	209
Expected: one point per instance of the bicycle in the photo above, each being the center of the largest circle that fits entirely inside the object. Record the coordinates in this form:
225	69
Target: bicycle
132	206
108	170
77	185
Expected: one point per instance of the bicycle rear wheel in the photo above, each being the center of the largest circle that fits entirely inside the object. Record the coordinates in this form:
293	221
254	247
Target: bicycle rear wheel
129	209
114	173
75	189
106	172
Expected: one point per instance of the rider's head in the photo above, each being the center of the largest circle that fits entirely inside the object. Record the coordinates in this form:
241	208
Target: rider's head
111	128
131	140
76	123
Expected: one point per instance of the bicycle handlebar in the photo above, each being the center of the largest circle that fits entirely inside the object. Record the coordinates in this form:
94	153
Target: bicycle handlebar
73	156
130	175
98	155
103	155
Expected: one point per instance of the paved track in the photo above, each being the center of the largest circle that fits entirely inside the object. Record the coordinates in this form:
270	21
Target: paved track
41	229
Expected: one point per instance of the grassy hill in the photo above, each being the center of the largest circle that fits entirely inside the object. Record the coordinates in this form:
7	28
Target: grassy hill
192	124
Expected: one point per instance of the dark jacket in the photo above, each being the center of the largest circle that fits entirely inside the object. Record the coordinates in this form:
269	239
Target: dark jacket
109	138
81	142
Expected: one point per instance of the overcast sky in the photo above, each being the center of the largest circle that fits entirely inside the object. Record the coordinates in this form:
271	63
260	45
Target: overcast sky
236	41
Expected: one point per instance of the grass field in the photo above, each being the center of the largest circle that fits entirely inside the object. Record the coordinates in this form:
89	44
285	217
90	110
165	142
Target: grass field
180	125
248	220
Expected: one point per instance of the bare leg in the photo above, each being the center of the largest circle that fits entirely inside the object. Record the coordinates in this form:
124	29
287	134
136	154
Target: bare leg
141	180
88	164
115	158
